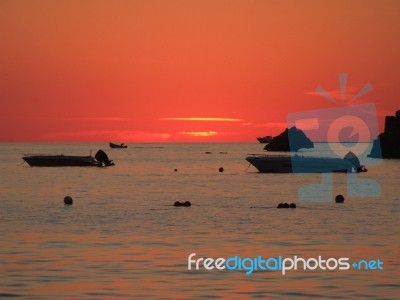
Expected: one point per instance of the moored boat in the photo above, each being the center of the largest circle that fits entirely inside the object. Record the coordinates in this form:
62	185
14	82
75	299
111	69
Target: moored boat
112	145
299	164
61	160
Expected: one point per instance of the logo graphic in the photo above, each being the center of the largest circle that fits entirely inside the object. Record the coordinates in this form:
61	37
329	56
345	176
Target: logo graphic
343	138
283	264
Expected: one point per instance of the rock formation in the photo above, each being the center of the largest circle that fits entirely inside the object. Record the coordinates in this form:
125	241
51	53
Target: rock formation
387	145
297	141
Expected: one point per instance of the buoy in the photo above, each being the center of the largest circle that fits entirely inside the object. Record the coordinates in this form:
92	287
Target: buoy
221	169
286	205
186	203
175	170
339	199
68	200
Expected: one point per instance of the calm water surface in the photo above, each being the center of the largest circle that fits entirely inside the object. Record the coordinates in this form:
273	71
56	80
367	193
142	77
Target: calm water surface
122	238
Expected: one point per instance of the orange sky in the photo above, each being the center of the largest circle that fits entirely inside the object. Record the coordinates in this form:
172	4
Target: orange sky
204	70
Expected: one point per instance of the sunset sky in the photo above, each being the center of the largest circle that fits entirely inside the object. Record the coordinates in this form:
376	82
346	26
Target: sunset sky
188	70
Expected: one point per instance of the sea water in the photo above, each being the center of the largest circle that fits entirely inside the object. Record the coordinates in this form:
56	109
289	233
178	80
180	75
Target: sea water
123	238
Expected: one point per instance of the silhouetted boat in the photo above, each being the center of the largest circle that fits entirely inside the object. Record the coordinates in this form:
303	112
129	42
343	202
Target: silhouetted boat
61	160
301	164
265	140
112	145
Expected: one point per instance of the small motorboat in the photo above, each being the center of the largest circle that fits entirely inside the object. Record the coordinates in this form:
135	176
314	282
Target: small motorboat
100	159
305	164
265	139
112	145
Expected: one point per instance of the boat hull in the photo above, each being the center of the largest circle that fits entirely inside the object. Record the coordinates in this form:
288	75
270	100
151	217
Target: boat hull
299	164
61	161
116	146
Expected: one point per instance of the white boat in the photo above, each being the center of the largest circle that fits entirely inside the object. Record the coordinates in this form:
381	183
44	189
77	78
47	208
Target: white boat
299	164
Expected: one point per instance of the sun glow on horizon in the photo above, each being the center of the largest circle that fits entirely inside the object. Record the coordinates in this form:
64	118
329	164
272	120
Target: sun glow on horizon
200	133
202	119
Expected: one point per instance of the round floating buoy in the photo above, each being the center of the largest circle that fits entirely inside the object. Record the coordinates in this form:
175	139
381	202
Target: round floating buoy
175	170
186	203
221	169
286	205
68	200
339	199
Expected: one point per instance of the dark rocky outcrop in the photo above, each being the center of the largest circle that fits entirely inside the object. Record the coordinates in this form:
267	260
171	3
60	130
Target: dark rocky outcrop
297	138
387	145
